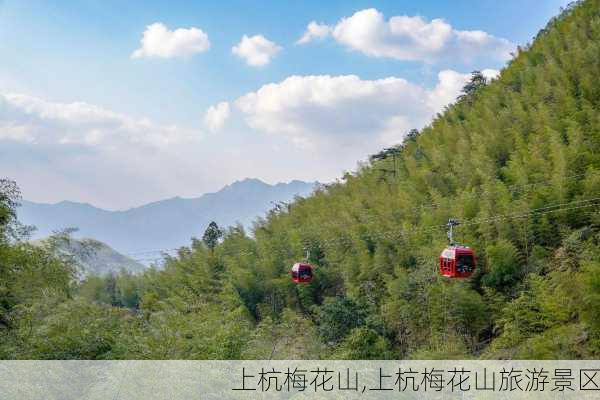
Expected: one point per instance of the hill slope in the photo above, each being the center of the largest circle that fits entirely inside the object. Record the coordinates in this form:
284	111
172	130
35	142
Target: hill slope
163	224
93	257
522	145
518	162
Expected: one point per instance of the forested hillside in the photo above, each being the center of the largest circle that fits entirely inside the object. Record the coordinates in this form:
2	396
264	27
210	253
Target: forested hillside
91	256
516	160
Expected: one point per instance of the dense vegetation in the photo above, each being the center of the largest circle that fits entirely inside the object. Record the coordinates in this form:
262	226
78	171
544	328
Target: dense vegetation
517	160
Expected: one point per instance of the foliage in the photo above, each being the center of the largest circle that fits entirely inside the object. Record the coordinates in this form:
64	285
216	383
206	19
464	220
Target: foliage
363	344
211	236
337	317
503	265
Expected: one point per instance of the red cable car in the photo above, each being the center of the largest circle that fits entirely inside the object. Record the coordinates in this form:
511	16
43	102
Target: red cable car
457	261
302	273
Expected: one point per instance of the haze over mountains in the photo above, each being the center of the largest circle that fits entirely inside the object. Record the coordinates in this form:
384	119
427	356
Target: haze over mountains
163	224
93	257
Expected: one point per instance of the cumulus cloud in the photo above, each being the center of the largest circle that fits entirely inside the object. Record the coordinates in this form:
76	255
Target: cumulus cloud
490	73
216	116
450	84
323	111
31	119
90	153
314	31
257	50
159	41
80	151
412	38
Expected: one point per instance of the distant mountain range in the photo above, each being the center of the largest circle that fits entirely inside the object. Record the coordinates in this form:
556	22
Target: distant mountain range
163	224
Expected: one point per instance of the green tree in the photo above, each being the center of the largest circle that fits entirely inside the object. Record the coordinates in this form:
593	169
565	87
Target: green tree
337	317
504	268
10	196
363	344
476	82
211	236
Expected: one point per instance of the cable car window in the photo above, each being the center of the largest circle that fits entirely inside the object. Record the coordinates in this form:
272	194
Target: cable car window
305	273
464	263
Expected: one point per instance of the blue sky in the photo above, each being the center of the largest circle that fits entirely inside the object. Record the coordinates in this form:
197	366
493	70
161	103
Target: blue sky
81	119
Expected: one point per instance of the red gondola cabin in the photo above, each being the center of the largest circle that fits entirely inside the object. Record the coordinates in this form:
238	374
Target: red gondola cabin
457	262
302	273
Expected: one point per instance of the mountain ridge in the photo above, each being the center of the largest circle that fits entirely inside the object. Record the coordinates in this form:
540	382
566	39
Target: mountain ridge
234	183
166	223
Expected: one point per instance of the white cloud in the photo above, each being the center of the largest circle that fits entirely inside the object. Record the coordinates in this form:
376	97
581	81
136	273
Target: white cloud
256	50
319	112
314	30
449	85
80	151
414	39
317	126
31	119
159	41
216	116
490	73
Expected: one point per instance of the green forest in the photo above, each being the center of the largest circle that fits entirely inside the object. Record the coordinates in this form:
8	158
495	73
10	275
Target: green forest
515	159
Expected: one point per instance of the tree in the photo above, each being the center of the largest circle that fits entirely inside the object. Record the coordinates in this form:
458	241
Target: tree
411	136
212	234
385	153
504	265
338	317
477	81
363	344
10	195
293	337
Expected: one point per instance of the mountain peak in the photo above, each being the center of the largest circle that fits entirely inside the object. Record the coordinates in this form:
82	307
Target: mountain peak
248	181
163	224
69	203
